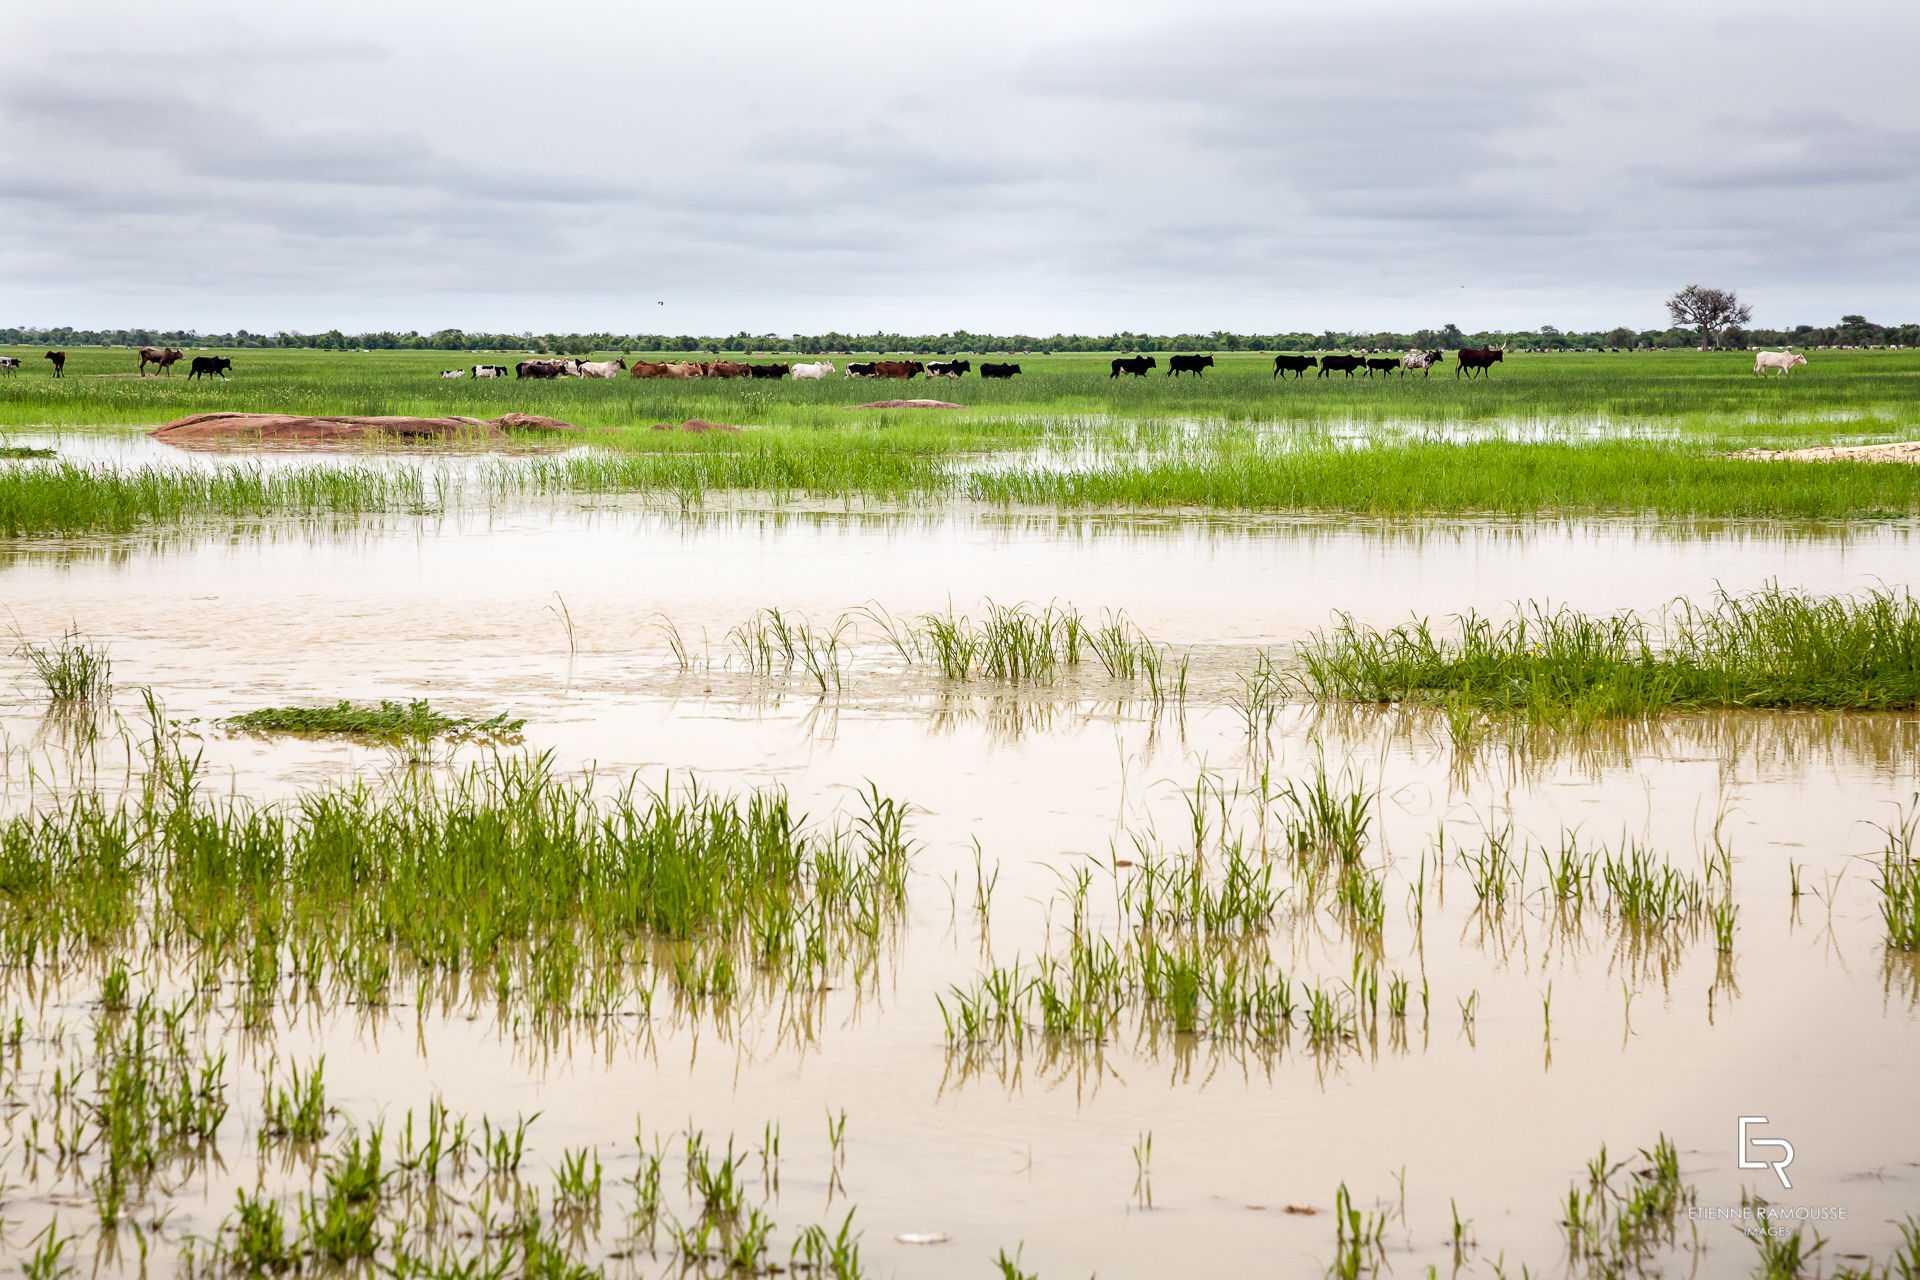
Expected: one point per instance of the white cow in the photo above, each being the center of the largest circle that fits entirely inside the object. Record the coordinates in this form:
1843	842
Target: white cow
820	370
1422	360
602	368
1781	360
453	373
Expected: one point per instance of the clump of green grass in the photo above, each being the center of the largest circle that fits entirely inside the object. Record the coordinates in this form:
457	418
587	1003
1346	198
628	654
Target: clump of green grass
1899	884
412	720
23	451
1771	648
73	668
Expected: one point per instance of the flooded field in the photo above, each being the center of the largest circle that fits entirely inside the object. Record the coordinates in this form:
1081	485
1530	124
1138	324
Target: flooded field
1115	966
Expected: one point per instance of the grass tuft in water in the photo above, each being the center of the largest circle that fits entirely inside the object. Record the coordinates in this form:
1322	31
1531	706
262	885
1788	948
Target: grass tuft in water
1772	648
73	668
414	719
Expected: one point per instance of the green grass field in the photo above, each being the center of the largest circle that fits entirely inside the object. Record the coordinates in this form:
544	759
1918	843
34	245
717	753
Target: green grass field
1620	433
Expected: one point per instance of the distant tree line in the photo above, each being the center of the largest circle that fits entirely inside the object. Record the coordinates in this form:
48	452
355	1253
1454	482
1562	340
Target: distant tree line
1852	331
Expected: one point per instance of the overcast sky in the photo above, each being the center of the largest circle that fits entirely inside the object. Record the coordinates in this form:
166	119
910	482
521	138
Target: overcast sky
1077	165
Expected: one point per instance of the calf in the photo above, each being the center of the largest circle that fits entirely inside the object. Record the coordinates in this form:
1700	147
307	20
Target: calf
1339	364
1296	365
999	370
1135	365
1195	365
9	365
59	359
1781	360
209	365
1384	364
820	370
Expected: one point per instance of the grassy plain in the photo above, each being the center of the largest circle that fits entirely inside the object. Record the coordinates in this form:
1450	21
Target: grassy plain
1619	433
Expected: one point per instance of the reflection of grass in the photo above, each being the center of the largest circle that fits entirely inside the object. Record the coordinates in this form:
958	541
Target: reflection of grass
393	720
1772	648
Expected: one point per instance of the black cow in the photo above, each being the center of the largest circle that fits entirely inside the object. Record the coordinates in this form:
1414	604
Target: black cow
59	359
1296	365
769	370
1341	364
999	370
209	365
1385	364
1477	359
949	368
1195	365
1135	365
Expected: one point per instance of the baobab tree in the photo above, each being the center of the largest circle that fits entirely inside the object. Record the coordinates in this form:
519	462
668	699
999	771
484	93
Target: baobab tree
1713	310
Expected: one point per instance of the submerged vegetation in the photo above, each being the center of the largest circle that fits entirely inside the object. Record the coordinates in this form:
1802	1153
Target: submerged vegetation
1770	648
414	719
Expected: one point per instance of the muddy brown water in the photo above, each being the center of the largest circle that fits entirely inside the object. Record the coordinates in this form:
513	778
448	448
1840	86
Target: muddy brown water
1813	1026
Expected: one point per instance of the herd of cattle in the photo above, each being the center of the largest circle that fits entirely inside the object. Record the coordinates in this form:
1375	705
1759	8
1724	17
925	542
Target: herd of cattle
1470	360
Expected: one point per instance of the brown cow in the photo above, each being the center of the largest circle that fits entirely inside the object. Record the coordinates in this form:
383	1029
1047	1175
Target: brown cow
897	368
162	356
646	369
724	369
684	370
59	359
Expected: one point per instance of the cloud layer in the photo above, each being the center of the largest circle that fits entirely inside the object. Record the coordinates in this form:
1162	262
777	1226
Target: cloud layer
1094	167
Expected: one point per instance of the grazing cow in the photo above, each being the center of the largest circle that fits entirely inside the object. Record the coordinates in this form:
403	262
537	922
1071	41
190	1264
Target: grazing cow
546	369
209	365
162	356
724	369
897	368
1478	359
1385	364
949	368
769	370
489	371
820	370
684	369
1135	365
603	368
1296	365
1781	360
1340	364
59	359
999	370
9	365
861	369
453	373
1195	365
1422	360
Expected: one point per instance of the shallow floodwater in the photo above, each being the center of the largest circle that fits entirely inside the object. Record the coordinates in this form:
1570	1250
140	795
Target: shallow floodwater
555	612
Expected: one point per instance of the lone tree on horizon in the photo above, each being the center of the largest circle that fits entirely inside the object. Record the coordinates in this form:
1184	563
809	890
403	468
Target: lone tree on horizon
1711	309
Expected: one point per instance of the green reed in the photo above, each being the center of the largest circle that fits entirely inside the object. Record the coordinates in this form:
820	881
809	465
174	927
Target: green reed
414	719
73	668
1770	648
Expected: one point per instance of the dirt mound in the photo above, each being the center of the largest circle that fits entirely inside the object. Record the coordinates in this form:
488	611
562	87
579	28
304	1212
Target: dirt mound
695	425
1898	451
908	404
209	430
